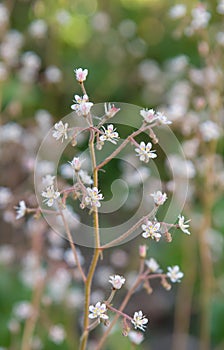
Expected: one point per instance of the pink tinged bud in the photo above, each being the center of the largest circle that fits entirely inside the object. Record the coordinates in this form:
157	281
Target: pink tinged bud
142	251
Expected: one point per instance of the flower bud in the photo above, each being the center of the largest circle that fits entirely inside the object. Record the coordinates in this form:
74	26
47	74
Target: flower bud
142	251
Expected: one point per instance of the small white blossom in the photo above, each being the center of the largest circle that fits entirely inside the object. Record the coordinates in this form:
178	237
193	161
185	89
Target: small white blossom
50	194
86	179
139	321
53	74
151	230
144	152
93	197
136	337
76	163
109	134
81	74
98	311
20	210
152	265
159	197
57	334
117	281
183	225
162	118
177	11
23	310
60	131
149	115
38	29
82	105
174	273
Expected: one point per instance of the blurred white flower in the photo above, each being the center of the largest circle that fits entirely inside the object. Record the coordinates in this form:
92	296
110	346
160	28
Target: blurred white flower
11	132
31	60
144	152
153	265
57	334
23	310
177	11
53	74
70	259
4	15
51	195
151	230
139	320
86	179
101	21
209	130
7	254
60	131
200	17
109	134
159	197
174	273
93	197
220	38
117	281
21	210
136	337
183	225
81	74
220	7
98	311
82	105
48	180
127	28
38	29
162	118
5	196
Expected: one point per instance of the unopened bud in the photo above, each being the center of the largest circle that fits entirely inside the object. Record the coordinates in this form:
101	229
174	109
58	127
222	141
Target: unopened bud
165	284
168	237
106	323
142	251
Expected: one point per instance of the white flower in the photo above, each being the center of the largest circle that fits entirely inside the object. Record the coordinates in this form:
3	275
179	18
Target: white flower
149	115
117	281
82	105
81	74
48	180
98	311
53	74
177	11
86	179
60	131
38	29
162	118
144	152
136	337
152	265
50	194
57	334
139	320
159	197
183	225
76	163
23	310
110	110
20	210
174	273
109	134
93	197
151	230
209	130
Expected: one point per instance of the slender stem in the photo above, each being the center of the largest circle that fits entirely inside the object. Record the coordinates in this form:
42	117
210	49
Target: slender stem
72	245
120	313
97	250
